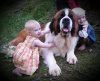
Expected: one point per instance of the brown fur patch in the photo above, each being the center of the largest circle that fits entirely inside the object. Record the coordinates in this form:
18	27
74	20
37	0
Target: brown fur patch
76	23
56	17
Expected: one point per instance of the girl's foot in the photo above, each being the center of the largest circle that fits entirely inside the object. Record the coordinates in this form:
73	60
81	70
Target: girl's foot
17	72
82	47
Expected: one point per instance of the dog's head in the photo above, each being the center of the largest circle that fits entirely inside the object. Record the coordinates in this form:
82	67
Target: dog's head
64	22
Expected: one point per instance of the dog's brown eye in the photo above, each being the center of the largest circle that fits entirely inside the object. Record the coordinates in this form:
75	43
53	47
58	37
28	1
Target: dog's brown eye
70	16
63	14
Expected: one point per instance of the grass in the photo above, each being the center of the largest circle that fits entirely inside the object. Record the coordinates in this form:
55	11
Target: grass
12	19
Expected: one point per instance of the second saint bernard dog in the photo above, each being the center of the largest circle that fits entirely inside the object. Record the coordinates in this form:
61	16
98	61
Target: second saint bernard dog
64	28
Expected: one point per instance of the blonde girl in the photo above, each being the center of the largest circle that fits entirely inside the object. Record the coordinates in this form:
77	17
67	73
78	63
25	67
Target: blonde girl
26	56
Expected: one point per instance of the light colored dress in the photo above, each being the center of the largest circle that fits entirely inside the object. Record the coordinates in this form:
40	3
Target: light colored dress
25	57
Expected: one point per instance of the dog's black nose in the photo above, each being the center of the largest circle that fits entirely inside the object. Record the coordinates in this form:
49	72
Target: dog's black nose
66	21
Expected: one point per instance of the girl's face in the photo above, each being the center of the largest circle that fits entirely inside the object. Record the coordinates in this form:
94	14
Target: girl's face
81	19
36	32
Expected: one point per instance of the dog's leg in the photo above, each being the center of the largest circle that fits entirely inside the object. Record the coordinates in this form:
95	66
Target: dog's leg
49	59
71	58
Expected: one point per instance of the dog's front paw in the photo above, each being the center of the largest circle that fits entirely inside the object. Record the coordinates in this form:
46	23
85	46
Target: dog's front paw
71	59
54	70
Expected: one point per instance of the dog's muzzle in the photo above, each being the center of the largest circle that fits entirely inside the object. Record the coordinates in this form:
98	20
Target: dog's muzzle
66	23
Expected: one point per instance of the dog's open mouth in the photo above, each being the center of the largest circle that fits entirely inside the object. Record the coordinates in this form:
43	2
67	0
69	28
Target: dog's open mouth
65	30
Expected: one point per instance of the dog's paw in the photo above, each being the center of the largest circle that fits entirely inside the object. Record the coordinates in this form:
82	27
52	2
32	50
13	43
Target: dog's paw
72	59
54	70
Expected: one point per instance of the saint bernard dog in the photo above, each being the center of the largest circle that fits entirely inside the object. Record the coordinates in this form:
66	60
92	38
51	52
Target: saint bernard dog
64	29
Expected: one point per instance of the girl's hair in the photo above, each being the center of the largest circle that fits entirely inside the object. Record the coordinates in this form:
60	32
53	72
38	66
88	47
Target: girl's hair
31	24
79	11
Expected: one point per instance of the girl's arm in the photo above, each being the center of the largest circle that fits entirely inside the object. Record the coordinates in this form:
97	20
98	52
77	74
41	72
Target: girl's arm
41	44
45	32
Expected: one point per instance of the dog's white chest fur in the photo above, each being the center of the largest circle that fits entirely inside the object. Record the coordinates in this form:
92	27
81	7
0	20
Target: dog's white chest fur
60	45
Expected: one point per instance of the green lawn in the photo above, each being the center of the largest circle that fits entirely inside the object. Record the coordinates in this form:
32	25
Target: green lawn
14	14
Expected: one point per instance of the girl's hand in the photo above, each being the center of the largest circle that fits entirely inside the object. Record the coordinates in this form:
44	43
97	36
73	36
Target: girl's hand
45	32
83	34
52	44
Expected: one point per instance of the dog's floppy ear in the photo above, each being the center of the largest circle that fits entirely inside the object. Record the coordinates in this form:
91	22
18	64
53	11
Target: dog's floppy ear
74	29
54	27
76	25
51	25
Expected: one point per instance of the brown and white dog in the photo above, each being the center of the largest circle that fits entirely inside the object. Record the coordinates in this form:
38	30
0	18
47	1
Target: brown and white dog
64	28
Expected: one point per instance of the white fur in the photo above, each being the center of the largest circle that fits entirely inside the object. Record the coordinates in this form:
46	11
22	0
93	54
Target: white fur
66	11
63	46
